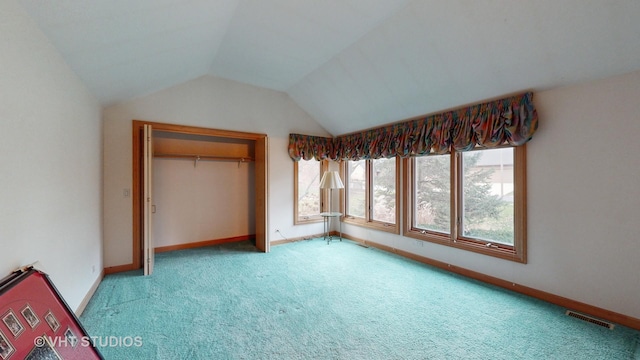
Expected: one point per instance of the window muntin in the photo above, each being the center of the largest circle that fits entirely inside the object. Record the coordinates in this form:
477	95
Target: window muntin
307	195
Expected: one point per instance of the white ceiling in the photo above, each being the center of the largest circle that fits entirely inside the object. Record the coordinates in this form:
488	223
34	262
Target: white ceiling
351	64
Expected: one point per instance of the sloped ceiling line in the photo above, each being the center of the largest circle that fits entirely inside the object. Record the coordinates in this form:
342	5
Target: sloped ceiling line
350	64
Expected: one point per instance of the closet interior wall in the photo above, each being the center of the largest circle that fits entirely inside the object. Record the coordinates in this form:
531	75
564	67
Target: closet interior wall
203	188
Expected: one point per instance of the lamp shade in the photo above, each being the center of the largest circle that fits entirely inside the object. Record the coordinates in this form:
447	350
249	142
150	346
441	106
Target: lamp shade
331	180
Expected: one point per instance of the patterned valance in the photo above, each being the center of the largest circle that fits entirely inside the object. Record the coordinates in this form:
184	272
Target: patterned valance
309	147
510	121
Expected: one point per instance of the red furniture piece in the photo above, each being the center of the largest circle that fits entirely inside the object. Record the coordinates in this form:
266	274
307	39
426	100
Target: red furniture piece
36	323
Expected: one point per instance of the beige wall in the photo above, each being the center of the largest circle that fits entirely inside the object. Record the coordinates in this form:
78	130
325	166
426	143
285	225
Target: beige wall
208	201
583	200
208	102
50	161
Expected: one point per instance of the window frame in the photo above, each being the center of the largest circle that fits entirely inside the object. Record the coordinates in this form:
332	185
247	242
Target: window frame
517	252
297	219
367	221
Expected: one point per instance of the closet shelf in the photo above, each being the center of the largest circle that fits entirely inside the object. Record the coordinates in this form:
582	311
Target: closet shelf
197	157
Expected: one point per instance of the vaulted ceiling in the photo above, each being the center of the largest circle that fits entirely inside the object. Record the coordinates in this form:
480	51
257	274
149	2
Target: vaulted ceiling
351	64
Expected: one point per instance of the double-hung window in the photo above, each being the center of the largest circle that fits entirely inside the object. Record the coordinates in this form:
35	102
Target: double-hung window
372	193
475	200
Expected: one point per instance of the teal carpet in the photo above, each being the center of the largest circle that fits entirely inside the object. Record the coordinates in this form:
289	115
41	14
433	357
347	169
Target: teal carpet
310	300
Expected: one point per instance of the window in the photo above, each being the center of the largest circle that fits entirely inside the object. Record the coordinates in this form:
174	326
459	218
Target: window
383	188
356	190
371	195
473	200
308	201
432	201
486	204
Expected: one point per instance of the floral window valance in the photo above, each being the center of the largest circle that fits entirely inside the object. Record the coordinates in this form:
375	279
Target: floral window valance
510	121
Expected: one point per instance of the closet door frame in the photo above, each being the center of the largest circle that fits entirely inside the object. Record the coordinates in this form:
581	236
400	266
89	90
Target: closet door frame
261	179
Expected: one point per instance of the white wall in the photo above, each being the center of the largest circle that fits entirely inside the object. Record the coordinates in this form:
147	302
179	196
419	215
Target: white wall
208	102
583	200
50	161
209	201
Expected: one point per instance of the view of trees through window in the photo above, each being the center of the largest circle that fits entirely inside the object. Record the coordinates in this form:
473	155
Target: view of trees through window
382	190
487	207
485	193
483	202
383	200
308	188
488	194
432	200
356	175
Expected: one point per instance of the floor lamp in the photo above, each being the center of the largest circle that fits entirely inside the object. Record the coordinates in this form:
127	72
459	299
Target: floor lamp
331	180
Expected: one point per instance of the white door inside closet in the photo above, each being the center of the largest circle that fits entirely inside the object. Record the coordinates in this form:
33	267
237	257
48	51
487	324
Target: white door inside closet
147	213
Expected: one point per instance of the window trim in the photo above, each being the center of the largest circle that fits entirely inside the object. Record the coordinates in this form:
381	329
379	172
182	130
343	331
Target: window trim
297	220
517	252
367	221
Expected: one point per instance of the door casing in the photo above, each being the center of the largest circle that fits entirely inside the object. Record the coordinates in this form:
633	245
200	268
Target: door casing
261	180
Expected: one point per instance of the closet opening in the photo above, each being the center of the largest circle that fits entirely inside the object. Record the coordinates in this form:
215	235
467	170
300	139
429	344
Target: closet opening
195	187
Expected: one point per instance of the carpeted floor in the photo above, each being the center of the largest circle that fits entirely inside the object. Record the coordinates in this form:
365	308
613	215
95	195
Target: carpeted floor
310	300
